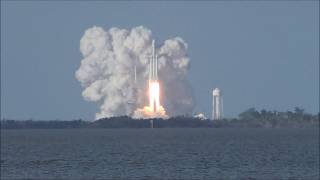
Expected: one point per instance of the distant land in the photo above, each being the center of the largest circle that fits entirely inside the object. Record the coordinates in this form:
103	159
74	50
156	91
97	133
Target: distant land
250	118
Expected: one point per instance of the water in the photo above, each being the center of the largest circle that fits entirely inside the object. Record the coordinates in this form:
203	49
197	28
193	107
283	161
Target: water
160	153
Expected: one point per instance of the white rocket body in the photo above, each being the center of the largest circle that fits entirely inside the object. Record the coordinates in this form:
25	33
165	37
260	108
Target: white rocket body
153	67
154	89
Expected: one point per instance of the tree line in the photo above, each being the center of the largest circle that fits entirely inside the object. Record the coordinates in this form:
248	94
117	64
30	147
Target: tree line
252	118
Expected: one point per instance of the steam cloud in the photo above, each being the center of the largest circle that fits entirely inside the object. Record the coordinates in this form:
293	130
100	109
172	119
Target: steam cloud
107	71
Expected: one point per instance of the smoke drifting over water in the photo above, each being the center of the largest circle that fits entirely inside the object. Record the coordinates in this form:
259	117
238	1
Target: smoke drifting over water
107	71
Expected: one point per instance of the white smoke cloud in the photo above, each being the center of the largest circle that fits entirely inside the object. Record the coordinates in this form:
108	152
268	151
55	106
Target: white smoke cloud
107	71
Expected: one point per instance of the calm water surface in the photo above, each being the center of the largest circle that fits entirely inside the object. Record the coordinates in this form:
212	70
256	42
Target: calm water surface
160	154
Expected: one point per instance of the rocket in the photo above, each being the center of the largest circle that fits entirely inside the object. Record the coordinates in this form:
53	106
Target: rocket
153	66
154	88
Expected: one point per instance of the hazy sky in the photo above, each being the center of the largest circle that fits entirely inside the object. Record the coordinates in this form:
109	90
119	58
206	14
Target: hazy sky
260	54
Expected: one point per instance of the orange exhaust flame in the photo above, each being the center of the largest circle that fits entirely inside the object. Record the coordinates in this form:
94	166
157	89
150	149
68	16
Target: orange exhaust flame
154	99
154	109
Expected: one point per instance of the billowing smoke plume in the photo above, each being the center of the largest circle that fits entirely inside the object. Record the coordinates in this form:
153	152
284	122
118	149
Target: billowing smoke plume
107	71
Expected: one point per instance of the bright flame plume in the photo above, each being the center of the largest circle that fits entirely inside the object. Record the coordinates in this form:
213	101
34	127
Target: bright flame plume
155	109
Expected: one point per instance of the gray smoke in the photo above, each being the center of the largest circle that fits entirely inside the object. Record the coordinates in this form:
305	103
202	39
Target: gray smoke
107	71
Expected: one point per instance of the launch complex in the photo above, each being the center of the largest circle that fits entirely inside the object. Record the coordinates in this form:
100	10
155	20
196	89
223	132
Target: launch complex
155	109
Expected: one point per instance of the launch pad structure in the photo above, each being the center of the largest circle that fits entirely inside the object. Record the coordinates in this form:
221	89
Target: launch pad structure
217	104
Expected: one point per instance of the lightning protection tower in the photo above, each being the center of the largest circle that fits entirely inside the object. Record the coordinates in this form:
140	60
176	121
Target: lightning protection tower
217	104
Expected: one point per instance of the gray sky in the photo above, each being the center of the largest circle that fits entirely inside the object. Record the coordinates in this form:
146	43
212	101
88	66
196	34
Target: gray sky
260	54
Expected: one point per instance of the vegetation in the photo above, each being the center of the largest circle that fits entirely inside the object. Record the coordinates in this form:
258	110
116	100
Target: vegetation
249	118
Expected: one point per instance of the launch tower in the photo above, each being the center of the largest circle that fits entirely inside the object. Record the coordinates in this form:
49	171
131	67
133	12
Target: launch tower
217	104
